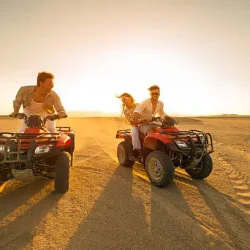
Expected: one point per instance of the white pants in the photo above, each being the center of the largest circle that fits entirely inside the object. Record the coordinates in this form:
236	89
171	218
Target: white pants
50	125
135	138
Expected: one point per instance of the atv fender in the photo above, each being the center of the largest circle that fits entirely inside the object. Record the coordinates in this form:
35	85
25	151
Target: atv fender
127	138
154	144
72	138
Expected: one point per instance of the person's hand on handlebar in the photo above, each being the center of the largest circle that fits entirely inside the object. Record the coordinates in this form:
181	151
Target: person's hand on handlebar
18	115
13	114
58	116
62	115
170	121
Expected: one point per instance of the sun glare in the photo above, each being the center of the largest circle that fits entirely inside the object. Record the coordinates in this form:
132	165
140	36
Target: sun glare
133	70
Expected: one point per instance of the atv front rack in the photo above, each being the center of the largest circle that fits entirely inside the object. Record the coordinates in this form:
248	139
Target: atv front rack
196	138
208	141
14	145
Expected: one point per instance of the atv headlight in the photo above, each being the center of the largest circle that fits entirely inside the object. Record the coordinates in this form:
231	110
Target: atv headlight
43	149
3	147
181	144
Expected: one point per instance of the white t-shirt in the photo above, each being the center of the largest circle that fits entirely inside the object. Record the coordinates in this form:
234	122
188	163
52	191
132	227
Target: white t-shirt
35	108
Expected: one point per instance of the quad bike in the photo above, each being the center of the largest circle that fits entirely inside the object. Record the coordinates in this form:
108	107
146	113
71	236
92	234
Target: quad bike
166	149
36	152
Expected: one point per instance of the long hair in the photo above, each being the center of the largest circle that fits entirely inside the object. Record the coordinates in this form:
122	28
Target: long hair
126	95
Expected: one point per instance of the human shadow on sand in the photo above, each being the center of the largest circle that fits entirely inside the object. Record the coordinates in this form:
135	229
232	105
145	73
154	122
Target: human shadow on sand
130	214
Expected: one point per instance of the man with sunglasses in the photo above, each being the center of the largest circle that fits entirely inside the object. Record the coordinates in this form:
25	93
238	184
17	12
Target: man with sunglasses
148	109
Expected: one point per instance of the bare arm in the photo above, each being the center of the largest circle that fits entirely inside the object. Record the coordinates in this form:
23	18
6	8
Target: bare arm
162	112
170	120
137	112
58	105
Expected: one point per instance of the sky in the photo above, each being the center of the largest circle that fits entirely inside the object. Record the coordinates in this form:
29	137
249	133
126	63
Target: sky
196	51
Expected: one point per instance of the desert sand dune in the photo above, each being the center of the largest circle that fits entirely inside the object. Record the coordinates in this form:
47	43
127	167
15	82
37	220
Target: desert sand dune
112	207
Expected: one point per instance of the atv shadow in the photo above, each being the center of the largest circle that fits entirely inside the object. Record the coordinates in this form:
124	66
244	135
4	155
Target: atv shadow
172	191
115	217
17	228
223	209
233	219
18	194
128	215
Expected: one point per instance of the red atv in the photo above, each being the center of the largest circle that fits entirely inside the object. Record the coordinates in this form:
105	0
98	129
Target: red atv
167	148
36	152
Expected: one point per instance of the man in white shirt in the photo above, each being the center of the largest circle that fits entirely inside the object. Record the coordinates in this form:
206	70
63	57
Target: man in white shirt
148	109
40	100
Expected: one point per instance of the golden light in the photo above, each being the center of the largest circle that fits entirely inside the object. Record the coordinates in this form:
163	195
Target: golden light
95	86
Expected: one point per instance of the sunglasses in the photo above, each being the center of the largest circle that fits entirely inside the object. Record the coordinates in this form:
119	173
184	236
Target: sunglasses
153	93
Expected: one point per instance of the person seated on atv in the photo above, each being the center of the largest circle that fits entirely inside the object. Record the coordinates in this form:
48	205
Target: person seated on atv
150	108
39	100
128	107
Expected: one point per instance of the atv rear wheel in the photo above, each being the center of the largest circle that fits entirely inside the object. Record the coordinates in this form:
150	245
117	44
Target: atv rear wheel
62	166
124	150
159	168
203	169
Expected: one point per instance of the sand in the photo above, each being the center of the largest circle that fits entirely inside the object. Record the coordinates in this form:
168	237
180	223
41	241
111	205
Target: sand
112	207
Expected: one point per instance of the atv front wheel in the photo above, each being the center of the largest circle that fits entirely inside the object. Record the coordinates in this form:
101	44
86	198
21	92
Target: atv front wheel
3	177
203	169
124	150
159	168
62	166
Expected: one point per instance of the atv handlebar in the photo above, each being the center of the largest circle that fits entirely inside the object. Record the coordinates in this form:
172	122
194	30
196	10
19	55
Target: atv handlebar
18	115
36	121
164	123
167	121
51	118
25	117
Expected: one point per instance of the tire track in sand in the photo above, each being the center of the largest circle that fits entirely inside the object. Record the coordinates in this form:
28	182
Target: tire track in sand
239	183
